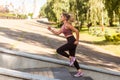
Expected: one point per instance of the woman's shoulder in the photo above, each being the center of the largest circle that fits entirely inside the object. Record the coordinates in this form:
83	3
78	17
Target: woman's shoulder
69	25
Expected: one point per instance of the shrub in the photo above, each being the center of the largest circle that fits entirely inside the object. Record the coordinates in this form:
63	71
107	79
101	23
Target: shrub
115	37
30	14
21	16
109	38
59	24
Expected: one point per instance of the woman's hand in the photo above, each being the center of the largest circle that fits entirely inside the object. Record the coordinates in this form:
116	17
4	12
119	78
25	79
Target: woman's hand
76	42
49	28
56	32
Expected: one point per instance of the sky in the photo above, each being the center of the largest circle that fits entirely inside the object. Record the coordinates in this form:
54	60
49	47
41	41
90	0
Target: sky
28	4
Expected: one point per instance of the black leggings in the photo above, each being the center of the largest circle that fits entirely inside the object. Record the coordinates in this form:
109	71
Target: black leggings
71	47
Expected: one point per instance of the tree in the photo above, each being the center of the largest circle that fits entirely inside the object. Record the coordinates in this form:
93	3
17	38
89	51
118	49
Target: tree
79	8
48	10
117	10
85	11
96	11
112	7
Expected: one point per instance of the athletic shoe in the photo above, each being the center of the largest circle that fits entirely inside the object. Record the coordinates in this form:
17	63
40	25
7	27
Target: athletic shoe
79	74
72	60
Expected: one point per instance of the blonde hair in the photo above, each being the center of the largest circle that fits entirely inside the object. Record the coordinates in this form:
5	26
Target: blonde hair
69	17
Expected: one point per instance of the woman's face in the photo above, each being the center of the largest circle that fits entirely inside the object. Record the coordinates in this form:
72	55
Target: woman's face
63	17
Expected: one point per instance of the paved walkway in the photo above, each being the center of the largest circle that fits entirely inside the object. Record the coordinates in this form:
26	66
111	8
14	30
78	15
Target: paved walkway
58	73
32	36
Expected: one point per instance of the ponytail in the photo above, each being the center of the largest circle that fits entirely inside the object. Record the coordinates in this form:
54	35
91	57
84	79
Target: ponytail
69	17
66	15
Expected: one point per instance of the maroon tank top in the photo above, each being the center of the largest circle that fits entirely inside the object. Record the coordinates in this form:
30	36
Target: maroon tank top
66	31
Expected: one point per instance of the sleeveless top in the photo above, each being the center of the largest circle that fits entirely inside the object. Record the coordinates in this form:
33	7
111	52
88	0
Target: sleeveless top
66	31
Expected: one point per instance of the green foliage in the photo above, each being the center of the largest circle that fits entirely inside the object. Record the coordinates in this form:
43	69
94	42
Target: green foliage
42	12
84	11
96	31
112	7
115	37
95	12
109	33
59	24
30	14
50	14
109	37
21	16
8	15
13	16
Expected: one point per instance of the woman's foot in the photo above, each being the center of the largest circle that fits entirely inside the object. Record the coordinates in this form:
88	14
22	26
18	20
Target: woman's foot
79	74
72	60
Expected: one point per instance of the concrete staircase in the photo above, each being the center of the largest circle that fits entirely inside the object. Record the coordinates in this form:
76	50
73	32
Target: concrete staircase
16	65
61	73
23	66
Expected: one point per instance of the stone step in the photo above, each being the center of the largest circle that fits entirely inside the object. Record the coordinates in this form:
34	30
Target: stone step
57	73
9	74
4	77
81	78
40	71
62	73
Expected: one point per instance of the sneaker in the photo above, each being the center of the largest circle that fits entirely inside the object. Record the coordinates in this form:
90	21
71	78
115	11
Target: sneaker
72	60
78	74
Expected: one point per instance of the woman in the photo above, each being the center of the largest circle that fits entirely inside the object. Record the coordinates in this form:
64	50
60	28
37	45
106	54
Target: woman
71	44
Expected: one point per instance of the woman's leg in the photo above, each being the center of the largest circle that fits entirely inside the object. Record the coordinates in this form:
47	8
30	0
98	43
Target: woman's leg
61	50
72	54
76	64
72	50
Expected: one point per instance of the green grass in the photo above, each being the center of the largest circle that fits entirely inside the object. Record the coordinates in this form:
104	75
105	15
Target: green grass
7	14
100	41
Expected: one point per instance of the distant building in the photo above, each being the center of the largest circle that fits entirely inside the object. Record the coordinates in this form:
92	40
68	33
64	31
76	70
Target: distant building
7	8
4	9
11	8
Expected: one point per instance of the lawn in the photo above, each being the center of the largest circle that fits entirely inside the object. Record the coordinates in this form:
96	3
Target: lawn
12	16
7	15
100	41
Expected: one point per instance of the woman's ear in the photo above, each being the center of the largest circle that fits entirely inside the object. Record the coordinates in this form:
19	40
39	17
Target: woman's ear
65	18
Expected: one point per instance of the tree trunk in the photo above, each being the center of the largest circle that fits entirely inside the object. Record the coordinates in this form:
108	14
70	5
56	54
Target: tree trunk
111	21
119	20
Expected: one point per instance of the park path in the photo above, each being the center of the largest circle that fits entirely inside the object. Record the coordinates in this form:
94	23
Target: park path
33	36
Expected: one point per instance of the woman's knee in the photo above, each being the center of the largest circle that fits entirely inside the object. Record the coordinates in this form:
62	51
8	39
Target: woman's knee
59	51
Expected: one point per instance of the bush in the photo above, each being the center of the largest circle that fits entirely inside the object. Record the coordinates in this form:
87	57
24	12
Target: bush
115	37
30	14
7	15
21	16
109	38
59	24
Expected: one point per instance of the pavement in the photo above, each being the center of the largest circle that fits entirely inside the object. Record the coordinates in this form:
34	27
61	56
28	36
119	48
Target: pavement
32	36
47	69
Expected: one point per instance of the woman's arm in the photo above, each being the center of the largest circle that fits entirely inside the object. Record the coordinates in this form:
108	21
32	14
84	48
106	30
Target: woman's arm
57	32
